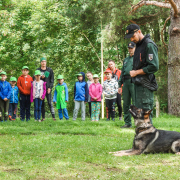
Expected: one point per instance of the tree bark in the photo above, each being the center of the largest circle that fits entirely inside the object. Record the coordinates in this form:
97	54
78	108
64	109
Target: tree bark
174	63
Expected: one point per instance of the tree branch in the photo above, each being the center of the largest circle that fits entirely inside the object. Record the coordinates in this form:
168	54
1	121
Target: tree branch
92	46
148	3
162	34
173	4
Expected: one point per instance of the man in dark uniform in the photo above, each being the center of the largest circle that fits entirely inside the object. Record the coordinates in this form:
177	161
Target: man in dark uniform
128	86
145	64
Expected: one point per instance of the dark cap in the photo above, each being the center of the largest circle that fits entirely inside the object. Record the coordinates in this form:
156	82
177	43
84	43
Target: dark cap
131	29
131	45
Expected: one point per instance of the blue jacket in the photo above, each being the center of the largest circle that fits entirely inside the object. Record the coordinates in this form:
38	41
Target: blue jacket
14	95
66	91
81	90
5	90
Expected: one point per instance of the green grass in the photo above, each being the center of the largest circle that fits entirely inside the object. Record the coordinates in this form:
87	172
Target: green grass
79	150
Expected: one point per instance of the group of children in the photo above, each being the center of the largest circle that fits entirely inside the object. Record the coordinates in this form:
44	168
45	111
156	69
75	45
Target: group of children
30	90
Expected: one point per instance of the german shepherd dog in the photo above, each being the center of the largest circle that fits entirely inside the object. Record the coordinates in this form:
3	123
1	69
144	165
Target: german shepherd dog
148	139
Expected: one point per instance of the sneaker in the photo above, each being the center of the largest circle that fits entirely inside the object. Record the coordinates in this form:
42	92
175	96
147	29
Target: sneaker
10	118
13	119
61	119
43	119
120	118
39	120
27	119
54	119
107	119
113	119
126	126
22	119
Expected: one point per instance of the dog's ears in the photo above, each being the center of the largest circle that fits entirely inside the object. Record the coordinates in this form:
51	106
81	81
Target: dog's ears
148	112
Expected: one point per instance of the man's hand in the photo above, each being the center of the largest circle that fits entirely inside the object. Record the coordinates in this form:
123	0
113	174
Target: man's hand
42	76
5	99
55	102
134	73
41	98
120	90
95	98
49	90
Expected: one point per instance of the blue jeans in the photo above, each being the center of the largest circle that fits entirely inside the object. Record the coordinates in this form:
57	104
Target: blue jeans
37	108
13	110
65	112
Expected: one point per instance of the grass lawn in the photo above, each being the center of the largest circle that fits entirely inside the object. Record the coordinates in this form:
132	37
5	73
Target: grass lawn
79	150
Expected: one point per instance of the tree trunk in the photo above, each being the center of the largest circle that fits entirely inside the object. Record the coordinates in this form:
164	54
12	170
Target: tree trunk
174	63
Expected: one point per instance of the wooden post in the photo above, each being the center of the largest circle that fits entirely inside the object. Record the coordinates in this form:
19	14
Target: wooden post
102	77
157	107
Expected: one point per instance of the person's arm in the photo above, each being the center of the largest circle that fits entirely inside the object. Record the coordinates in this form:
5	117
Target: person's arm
44	90
55	95
51	79
1	95
66	93
9	91
31	95
19	85
86	92
90	92
100	92
121	76
152	59
74	90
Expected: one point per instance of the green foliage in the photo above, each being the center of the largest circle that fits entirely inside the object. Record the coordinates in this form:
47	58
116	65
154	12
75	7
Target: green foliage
57	29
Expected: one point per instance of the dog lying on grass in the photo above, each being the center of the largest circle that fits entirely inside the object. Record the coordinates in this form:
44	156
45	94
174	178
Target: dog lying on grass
148	139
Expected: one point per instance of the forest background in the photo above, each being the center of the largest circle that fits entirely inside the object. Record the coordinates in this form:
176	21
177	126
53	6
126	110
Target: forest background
69	32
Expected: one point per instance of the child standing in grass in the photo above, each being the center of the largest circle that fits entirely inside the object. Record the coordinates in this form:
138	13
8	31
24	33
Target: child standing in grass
24	85
38	92
110	89
80	96
95	91
13	99
61	97
5	93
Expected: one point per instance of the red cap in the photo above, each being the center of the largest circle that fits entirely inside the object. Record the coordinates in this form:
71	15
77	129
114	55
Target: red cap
108	71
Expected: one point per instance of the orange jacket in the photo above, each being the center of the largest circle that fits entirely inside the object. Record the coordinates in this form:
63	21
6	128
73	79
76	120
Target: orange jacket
24	84
118	73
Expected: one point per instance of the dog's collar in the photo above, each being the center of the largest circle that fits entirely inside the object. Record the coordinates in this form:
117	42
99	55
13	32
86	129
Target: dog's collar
141	129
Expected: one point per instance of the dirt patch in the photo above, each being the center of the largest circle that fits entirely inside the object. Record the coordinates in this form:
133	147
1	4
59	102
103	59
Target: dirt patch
13	170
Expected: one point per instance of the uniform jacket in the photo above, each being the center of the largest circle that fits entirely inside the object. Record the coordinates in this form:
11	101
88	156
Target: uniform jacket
61	96
95	90
50	79
116	72
81	90
24	84
14	94
146	58
5	90
127	67
110	89
42	90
